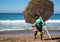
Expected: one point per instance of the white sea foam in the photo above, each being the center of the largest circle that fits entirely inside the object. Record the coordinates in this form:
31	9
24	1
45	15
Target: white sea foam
12	21
23	21
8	25
53	21
10	29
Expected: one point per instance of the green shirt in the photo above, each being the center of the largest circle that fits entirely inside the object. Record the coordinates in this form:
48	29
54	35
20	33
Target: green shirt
39	22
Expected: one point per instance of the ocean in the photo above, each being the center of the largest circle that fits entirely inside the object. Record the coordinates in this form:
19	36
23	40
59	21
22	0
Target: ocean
15	21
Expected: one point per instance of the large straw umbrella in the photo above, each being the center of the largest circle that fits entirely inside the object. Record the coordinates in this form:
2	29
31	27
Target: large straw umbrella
45	9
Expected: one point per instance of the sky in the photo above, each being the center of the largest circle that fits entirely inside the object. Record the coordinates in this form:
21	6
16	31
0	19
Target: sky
17	6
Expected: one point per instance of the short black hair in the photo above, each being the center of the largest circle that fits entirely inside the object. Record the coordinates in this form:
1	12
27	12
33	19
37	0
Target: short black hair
37	15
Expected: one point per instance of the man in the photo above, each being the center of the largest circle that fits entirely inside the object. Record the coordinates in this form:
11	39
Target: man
39	24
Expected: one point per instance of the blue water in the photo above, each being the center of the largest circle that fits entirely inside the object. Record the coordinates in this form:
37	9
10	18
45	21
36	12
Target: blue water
11	16
55	17
15	21
19	16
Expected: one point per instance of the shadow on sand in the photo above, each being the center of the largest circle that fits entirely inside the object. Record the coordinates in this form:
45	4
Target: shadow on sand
56	38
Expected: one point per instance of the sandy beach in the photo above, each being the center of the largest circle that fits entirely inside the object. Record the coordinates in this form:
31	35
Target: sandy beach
27	36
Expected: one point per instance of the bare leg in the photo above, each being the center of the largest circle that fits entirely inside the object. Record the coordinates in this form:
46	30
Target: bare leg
41	35
35	35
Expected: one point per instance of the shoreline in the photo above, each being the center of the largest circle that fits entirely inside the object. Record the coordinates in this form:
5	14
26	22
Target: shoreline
26	32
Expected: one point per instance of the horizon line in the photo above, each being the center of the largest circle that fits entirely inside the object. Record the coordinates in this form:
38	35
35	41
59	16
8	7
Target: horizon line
53	13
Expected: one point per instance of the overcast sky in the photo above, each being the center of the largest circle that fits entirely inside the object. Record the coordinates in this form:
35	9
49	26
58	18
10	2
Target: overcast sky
17	6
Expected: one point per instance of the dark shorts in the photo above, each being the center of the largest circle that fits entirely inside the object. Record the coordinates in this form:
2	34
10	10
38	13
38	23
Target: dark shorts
39	27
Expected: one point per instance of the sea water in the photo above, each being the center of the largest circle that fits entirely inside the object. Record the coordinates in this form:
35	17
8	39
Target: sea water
16	21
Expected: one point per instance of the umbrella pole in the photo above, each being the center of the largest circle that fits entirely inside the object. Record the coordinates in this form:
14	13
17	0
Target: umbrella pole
47	32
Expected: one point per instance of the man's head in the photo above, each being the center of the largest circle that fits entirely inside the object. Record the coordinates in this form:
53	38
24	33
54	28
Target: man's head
36	16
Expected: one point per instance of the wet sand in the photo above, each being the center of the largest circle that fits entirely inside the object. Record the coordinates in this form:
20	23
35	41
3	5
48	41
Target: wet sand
27	36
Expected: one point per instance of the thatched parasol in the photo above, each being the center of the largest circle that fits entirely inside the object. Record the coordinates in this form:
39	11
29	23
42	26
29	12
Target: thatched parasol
44	8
